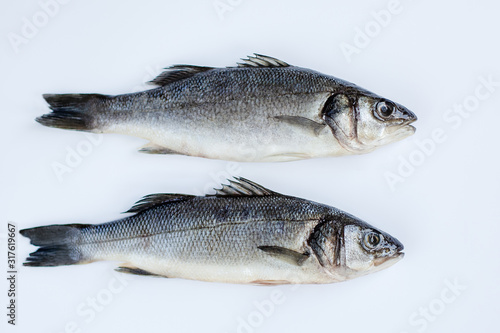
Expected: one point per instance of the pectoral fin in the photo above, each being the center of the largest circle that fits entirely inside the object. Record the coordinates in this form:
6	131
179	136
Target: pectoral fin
303	123
290	256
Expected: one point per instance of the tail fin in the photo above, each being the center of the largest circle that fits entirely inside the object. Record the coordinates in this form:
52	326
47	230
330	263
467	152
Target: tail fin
57	245
70	111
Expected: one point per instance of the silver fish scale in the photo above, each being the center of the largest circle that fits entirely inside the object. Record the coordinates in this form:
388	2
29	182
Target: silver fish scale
242	114
209	229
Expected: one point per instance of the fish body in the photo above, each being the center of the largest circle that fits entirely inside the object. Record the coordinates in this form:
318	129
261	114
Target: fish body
262	110
243	234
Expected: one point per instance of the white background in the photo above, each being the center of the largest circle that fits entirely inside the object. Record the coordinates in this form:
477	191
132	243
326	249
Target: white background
429	57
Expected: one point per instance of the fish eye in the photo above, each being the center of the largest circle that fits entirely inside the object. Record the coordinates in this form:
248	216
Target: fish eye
372	240
385	109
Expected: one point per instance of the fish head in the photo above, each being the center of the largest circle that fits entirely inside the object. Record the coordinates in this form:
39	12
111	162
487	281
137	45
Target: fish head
362	121
369	250
347	247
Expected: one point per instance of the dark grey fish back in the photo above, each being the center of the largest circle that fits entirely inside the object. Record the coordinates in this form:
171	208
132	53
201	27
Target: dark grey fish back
209	212
223	84
208	87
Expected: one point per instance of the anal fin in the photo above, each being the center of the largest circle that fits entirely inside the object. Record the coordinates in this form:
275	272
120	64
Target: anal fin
134	270
286	157
152	148
270	282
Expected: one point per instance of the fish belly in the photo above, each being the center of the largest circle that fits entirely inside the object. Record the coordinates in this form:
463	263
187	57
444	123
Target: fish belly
248	130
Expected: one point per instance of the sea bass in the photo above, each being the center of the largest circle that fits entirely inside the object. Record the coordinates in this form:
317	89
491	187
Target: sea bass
264	110
244	233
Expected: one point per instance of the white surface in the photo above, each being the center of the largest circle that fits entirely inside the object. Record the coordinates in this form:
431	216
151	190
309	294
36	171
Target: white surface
429	57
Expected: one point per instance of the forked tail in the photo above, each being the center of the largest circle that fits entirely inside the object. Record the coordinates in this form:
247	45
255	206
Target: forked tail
58	245
72	111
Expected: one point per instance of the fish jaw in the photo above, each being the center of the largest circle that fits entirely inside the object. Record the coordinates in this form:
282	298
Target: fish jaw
378	264
398	134
388	135
383	263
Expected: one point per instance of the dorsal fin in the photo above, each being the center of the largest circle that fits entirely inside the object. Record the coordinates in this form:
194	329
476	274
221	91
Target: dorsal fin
181	72
243	187
176	73
152	200
239	187
259	60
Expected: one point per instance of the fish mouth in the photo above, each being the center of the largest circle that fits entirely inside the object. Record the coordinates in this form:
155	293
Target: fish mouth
397	133
389	261
404	128
408	118
408	122
400	255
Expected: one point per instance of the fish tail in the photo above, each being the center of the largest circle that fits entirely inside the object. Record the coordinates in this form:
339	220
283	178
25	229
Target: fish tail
71	111
58	245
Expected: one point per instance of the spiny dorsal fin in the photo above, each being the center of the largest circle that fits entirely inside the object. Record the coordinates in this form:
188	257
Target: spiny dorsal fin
259	60
243	187
181	72
238	187
152	200
176	73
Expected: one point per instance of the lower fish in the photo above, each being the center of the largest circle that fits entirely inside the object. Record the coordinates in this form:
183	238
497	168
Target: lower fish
244	234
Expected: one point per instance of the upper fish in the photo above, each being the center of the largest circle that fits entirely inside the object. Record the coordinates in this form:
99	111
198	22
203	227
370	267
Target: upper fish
263	110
